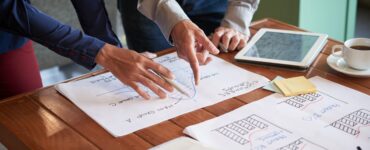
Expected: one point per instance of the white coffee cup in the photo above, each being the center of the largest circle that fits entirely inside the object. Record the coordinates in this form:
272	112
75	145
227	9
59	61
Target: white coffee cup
355	58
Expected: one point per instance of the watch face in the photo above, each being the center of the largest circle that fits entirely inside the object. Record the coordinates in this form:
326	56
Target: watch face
282	46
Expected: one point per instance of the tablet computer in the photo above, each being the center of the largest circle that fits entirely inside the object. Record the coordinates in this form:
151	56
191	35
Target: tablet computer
283	47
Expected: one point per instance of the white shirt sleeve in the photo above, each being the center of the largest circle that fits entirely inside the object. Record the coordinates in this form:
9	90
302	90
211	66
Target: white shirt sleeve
239	15
165	13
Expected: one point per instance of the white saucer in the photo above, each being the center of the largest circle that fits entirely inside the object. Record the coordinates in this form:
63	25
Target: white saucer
338	64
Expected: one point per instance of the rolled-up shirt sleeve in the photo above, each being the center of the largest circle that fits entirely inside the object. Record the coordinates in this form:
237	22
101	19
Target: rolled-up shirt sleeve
20	17
239	15
165	13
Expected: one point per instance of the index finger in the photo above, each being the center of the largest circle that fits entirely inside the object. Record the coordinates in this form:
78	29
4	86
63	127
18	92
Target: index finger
192	58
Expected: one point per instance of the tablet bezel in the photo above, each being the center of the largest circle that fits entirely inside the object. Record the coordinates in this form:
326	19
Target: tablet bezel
306	61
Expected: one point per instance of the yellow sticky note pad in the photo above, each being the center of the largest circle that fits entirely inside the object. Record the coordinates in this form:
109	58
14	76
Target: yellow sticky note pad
295	86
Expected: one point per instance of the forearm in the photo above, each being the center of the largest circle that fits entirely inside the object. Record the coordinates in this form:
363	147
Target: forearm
165	13
239	15
21	18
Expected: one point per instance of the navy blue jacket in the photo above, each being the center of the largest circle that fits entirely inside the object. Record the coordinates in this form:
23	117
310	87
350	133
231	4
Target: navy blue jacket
19	17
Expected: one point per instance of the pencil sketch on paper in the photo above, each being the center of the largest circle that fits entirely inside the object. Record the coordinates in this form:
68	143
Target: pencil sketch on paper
303	101
300	144
353	122
120	110
242	131
184	76
306	100
310	121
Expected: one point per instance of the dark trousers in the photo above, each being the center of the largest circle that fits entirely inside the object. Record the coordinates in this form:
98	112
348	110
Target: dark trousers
142	34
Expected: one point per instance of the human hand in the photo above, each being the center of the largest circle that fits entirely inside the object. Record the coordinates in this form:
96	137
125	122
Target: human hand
192	45
149	54
131	68
229	39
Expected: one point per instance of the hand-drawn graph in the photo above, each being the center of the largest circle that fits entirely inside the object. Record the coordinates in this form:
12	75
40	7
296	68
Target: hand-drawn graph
352	122
184	77
242	131
301	143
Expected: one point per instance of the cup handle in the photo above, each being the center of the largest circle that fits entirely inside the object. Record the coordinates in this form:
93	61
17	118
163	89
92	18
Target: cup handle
335	47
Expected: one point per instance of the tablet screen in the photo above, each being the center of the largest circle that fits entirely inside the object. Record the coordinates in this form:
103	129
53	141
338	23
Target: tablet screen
282	46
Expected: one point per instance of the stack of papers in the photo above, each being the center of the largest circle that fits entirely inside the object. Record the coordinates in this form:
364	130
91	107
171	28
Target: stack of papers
335	117
271	86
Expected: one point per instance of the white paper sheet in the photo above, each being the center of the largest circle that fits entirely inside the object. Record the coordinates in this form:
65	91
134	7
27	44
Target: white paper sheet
336	117
120	110
181	143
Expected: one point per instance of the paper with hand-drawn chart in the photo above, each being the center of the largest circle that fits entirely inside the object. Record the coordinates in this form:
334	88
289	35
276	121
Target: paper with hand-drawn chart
336	117
120	110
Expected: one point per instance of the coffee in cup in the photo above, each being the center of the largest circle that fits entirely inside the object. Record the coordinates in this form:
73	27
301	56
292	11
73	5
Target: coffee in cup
355	52
360	47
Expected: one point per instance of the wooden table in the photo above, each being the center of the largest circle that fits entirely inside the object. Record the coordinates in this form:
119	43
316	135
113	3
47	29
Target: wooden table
44	119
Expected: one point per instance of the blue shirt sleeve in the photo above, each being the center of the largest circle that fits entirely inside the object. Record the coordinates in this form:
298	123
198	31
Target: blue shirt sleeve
20	17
